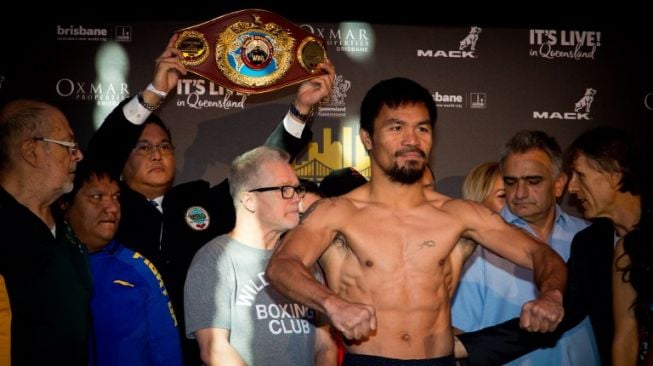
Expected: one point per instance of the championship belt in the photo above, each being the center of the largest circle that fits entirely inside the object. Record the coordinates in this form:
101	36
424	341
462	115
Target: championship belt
251	51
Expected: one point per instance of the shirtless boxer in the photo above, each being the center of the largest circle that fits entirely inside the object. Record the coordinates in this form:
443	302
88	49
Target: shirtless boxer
385	247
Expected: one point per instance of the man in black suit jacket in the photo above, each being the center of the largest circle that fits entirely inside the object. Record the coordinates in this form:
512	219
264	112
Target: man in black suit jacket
167	224
605	176
47	282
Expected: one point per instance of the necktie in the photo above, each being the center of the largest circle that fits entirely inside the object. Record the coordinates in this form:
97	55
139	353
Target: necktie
156	205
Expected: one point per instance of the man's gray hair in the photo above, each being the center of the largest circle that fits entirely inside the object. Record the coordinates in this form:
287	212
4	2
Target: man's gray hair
526	140
245	171
19	120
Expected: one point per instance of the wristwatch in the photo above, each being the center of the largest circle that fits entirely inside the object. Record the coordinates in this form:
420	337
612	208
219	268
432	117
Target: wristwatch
147	105
306	118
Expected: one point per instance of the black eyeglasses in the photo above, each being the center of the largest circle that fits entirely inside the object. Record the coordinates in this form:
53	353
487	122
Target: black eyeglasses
73	147
287	192
146	148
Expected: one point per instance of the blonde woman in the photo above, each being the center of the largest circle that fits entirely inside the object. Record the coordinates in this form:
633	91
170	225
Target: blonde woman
484	184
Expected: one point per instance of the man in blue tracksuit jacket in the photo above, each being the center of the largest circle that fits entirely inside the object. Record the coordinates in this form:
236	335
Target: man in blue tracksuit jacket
133	320
131	310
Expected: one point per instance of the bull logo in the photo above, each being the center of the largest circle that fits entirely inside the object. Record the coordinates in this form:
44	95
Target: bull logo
470	40
586	101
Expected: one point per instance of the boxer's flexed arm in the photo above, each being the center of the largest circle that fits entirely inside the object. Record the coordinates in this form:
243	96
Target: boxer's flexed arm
288	270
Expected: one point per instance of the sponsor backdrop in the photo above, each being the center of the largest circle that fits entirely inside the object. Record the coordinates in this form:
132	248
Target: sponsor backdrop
488	82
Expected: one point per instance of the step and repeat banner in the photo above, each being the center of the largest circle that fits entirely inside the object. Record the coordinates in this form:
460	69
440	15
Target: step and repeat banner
488	83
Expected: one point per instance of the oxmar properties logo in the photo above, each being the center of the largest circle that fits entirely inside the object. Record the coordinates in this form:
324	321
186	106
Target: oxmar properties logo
350	37
570	44
102	94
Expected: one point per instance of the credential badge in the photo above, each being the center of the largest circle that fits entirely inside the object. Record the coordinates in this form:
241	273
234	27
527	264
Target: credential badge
197	218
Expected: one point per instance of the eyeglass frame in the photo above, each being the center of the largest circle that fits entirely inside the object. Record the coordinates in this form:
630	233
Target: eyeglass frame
153	148
299	190
73	146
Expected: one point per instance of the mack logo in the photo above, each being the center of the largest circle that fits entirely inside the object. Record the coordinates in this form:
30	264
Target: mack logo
581	109
447	53
561	115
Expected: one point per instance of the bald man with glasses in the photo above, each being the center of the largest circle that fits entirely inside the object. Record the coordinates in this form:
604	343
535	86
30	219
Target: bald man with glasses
47	280
237	318
73	146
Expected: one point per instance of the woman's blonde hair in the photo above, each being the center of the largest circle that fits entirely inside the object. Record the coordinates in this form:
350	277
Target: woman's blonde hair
479	181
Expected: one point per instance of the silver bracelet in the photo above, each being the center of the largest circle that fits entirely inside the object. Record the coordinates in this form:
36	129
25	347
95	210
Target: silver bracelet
147	105
156	91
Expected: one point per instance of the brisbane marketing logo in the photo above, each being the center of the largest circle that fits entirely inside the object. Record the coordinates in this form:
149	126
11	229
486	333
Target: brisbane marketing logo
569	44
447	100
475	100
72	32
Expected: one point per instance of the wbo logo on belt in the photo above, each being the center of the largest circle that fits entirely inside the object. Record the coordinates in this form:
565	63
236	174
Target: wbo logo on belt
251	51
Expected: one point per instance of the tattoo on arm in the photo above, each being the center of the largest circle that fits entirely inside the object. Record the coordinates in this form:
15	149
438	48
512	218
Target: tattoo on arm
310	210
428	243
